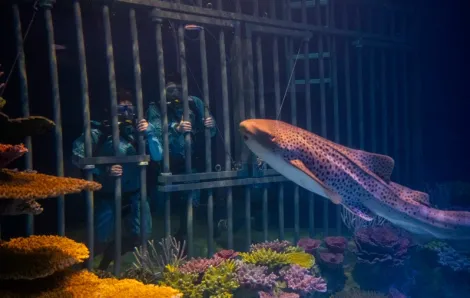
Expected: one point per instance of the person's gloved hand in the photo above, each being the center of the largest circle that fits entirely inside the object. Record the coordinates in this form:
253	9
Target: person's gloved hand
142	125
115	170
209	122
184	126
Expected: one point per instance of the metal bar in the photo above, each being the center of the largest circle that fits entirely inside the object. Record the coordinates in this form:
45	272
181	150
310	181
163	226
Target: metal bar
406	108
395	108
203	20
23	77
57	113
140	115
116	138
187	139
220	183
383	87
303	5
313	81
347	83
164	116
278	31
247	217
336	114
203	176
208	143
308	3
103	160
311	55
86	128
193	10
373	109
360	91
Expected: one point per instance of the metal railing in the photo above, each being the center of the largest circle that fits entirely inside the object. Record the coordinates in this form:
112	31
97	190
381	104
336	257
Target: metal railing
339	97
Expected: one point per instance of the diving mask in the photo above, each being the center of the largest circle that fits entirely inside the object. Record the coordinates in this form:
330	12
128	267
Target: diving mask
126	114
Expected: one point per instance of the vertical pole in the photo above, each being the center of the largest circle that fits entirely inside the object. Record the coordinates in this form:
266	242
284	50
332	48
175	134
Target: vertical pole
140	115
347	82
187	138
164	115
406	108
373	106
57	113
24	100
116	139
396	107
360	92
383	88
86	128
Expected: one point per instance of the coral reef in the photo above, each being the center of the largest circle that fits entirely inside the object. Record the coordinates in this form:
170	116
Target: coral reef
255	277
19	128
302	259
9	153
278	295
449	257
199	265
265	257
336	244
382	244
38	256
309	245
332	261
299	279
276	245
357	293
226	254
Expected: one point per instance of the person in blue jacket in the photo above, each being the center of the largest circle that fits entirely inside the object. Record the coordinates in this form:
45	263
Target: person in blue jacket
178	127
101	135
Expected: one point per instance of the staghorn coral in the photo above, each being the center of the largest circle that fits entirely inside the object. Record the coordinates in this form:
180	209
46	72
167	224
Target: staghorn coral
381	244
298	279
357	293
9	153
27	185
255	277
276	245
336	244
199	265
39	256
309	245
302	259
265	257
226	254
221	281
19	128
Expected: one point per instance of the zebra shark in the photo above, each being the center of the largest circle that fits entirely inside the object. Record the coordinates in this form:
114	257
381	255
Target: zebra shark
358	180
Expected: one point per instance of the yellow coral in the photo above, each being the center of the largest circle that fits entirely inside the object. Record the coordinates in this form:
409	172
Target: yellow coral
27	185
302	259
39	256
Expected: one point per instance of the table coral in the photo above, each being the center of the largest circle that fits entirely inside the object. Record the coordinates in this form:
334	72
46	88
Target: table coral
20	128
331	260
9	153
27	185
309	245
39	256
336	244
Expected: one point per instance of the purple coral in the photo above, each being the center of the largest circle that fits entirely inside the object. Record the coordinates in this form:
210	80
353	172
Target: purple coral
278	295
276	245
380	244
331	260
199	265
336	244
309	245
298	279
226	254
255	277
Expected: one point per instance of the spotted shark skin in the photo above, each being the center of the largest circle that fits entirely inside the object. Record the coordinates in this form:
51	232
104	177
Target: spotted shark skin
358	180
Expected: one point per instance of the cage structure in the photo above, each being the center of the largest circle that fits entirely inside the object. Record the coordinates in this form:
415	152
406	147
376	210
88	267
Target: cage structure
342	68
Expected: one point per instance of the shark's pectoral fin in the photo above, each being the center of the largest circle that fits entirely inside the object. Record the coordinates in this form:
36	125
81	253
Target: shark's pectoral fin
408	193
334	197
381	165
358	209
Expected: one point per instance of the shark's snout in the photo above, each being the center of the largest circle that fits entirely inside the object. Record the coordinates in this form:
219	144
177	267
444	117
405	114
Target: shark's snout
258	131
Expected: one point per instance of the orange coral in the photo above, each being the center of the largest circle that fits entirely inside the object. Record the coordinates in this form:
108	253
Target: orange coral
39	256
9	153
29	185
86	284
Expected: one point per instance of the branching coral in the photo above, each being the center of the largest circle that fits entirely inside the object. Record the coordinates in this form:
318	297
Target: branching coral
255	277
302	259
188	284
298	279
226	254
199	265
39	256
27	185
276	245
265	257
221	281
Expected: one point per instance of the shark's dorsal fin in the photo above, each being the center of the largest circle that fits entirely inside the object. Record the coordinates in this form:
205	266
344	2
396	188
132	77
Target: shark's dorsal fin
410	194
334	197
358	209
381	165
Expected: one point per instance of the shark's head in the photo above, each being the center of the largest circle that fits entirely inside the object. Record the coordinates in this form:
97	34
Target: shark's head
259	135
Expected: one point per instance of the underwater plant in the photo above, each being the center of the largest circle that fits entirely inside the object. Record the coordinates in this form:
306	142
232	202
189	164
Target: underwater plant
275	245
265	257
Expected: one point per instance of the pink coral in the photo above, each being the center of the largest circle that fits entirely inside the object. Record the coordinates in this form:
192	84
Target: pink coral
331	260
309	245
200	265
298	279
226	254
276	245
336	244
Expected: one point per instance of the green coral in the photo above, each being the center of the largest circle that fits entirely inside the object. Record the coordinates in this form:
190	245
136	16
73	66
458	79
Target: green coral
185	283
302	259
265	257
220	281
293	249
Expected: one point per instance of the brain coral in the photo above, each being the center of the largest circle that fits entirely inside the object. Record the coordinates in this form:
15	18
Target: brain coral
39	256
